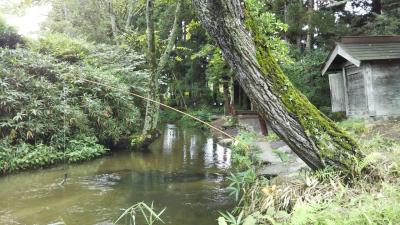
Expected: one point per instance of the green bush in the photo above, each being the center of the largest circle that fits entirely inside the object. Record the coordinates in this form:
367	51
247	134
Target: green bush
34	106
27	156
170	116
60	46
84	148
24	156
46	102
202	114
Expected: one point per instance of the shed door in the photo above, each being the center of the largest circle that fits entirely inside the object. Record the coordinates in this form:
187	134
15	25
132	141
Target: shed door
336	85
356	91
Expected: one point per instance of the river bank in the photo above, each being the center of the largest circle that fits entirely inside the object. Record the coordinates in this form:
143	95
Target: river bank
322	197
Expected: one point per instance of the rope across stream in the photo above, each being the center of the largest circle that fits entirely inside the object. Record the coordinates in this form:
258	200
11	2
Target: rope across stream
147	99
163	105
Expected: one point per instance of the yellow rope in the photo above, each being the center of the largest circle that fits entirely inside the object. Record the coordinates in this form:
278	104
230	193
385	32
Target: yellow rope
161	104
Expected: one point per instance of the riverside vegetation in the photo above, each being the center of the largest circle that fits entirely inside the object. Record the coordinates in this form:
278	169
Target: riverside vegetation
48	114
325	196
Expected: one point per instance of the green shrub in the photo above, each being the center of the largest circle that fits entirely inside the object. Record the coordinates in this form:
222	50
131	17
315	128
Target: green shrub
202	114
62	47
27	156
84	148
169	116
24	156
46	102
34	107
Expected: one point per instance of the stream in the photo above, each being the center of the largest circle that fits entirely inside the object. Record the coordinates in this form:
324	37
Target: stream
184	170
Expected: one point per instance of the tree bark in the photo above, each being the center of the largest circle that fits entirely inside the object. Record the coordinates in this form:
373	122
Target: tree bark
171	39
151	117
215	92
285	11
130	15
227	96
65	11
310	134
152	109
310	31
376	7
183	103
113	21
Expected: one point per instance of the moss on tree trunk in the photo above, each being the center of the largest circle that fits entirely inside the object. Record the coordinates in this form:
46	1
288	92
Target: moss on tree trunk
311	135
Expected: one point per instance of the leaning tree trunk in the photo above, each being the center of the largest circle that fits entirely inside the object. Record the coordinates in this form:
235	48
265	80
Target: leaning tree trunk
309	133
152	109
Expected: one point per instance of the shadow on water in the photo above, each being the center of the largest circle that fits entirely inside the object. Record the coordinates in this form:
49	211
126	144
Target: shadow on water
184	170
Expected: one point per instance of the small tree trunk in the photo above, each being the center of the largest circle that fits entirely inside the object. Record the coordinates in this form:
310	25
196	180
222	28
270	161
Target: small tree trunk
298	41
130	15
285	11
171	39
215	92
113	22
152	109
310	31
310	134
183	103
227	96
376	7
65	11
151	118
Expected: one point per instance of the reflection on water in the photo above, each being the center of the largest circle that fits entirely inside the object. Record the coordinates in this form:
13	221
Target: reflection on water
184	170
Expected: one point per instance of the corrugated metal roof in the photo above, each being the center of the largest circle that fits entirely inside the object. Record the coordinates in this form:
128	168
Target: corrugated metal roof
373	51
364	48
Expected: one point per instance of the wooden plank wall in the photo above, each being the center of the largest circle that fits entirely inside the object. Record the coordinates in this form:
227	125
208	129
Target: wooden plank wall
357	101
386	87
336	85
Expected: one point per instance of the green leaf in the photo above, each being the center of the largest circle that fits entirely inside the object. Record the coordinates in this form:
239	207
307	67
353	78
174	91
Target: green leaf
222	221
250	220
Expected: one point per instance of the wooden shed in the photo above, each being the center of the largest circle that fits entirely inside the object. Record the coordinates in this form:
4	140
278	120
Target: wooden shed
364	76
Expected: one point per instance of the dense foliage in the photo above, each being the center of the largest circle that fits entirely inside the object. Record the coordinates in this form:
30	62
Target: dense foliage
306	76
48	109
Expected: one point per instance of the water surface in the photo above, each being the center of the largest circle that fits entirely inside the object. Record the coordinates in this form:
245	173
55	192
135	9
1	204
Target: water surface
184	171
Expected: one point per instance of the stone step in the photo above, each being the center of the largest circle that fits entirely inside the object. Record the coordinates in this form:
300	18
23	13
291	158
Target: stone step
267	154
281	169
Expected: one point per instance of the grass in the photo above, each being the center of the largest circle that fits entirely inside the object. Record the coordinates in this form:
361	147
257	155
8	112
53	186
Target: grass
141	210
282	155
324	197
272	136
